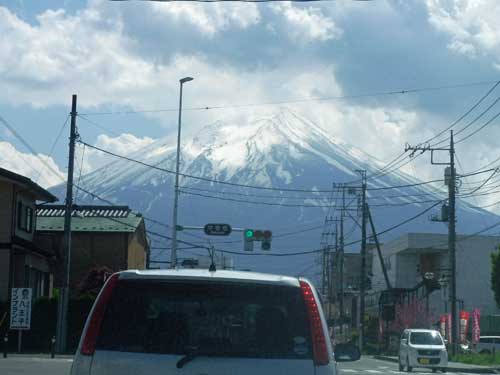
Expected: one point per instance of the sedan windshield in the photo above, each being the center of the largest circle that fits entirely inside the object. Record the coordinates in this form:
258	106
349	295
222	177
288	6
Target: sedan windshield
425	338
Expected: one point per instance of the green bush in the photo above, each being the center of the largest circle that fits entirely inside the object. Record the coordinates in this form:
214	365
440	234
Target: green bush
477	359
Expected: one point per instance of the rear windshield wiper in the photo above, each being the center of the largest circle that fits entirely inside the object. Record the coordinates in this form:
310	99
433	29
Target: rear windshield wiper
188	357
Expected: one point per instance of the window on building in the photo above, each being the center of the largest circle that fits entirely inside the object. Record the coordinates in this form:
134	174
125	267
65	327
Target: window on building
37	280
24	217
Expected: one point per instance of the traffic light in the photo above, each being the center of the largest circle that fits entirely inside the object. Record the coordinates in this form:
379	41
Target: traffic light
248	239
266	240
252	235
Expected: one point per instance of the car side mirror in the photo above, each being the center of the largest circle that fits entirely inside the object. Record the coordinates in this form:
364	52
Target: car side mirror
346	353
445	341
404	341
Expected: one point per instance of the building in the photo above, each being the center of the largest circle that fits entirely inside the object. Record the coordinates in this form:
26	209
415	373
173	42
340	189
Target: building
102	236
23	262
351	284
419	264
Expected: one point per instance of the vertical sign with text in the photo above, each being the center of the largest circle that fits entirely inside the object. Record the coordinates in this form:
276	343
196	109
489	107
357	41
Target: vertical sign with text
20	308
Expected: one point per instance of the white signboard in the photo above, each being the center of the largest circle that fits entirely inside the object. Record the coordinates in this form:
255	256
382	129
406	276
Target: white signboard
20	308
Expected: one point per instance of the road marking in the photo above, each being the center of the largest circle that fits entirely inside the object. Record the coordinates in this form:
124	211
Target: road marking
348	370
374	371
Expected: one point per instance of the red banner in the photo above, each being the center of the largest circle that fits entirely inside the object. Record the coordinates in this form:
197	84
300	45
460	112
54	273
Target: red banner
464	325
476	329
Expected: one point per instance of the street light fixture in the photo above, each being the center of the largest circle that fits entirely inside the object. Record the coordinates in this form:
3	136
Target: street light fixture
173	255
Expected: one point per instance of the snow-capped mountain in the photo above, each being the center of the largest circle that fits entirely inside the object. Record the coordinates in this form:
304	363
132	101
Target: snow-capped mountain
282	152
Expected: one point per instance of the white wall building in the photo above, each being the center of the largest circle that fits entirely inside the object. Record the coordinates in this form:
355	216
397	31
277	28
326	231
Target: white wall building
413	255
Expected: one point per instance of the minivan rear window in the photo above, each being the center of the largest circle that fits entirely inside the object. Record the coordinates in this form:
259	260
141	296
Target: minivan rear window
210	318
425	338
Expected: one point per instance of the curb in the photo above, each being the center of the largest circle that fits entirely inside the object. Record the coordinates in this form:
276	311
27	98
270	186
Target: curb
470	370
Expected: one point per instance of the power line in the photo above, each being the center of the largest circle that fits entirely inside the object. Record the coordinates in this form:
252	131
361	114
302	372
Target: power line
466	114
395	161
479	129
28	146
300	100
206	179
268	254
52	148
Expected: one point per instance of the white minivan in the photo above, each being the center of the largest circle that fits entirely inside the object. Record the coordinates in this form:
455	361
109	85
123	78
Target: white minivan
212	323
422	348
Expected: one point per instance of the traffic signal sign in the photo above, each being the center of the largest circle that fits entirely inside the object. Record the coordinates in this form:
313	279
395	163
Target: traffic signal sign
217	229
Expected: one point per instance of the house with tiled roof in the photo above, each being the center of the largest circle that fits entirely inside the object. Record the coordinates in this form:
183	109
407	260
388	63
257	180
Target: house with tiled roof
23	262
101	236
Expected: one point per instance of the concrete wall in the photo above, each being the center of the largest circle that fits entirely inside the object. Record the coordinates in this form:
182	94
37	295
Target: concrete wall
473	267
389	254
474	273
93	249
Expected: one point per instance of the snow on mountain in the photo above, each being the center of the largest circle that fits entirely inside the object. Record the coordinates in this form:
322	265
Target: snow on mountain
282	151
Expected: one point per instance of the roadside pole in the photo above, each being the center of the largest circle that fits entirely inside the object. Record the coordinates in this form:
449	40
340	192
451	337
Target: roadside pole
362	287
63	301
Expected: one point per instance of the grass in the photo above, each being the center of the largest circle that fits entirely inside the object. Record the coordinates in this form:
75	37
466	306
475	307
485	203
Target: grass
477	359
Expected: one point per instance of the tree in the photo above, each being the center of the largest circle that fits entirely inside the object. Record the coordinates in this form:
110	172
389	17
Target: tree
413	314
92	283
495	275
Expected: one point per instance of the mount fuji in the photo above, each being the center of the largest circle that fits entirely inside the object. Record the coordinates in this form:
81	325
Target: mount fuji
291	164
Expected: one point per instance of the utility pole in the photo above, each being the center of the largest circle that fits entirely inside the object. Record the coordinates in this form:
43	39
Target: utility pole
63	300
452	245
450	181
341	261
362	286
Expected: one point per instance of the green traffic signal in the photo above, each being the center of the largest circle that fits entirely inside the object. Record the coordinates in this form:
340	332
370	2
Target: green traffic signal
249	233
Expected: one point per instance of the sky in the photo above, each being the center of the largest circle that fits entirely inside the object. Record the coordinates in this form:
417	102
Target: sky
128	56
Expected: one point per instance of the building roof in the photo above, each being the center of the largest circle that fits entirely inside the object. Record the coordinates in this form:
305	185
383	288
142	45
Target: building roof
40	193
88	219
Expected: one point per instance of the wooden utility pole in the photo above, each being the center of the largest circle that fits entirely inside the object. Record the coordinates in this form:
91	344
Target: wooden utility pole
63	301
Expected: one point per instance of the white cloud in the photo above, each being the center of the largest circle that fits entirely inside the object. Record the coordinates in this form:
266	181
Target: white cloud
30	165
124	144
307	24
210	18
471	24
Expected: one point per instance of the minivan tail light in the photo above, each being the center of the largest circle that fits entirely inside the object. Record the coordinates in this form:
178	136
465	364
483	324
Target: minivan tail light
94	326
320	348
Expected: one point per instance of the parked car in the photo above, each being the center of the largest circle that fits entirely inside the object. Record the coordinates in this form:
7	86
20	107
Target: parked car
488	344
422	348
201	322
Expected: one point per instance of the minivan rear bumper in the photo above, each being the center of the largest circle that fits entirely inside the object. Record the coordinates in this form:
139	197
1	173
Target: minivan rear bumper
428	362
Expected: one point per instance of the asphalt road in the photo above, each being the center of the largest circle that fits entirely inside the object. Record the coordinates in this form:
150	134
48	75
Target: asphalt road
370	366
61	366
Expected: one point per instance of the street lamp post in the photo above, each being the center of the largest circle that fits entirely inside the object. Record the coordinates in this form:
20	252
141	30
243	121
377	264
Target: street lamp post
173	255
